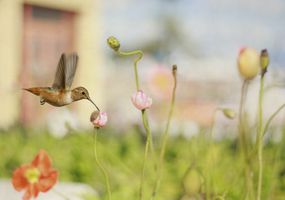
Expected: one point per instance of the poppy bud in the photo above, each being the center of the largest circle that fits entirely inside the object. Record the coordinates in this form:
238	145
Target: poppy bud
264	60
99	119
141	101
248	63
174	70
114	43
229	113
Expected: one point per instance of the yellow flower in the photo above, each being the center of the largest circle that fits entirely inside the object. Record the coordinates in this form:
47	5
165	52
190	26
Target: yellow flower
248	63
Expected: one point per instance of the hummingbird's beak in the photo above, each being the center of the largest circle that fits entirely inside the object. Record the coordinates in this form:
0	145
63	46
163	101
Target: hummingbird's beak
93	103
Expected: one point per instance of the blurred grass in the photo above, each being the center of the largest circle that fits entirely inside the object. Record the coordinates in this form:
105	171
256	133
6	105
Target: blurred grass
188	163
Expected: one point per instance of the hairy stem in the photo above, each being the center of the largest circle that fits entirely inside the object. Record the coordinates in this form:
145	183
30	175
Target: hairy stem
209	168
140	55
165	135
106	177
149	143
137	59
259	138
243	141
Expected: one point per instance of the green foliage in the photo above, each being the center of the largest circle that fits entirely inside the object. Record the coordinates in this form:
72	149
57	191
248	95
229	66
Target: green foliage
188	164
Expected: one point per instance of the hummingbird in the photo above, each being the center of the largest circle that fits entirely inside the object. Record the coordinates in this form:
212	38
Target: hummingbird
60	93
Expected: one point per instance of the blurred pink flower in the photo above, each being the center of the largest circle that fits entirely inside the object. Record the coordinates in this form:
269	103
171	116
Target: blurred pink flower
160	82
141	101
99	119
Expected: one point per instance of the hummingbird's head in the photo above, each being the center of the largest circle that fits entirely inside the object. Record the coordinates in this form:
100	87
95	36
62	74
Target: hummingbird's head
82	93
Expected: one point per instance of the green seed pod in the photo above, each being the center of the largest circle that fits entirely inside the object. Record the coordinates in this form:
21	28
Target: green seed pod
229	113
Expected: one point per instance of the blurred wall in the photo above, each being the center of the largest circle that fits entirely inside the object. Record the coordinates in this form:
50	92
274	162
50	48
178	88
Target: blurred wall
87	31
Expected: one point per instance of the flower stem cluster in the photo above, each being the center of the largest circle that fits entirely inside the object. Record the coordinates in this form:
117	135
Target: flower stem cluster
142	102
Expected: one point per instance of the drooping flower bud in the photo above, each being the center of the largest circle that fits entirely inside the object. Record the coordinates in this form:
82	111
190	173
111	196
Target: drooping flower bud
248	63
174	70
141	101
264	61
114	43
229	113
99	119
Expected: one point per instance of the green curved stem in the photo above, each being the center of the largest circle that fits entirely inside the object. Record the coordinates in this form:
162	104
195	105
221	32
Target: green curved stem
165	138
259	138
149	143
106	177
213	122
140	55
271	118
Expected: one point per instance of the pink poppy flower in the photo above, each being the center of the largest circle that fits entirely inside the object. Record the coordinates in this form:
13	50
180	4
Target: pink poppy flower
141	101
99	119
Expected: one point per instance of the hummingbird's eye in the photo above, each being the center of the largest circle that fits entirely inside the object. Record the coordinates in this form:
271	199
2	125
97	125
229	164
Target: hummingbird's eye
83	93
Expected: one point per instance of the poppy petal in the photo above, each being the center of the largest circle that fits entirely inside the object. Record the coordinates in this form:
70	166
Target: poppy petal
18	179
42	161
47	182
31	192
27	195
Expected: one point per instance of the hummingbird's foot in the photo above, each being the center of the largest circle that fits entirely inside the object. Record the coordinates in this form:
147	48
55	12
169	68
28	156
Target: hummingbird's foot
42	101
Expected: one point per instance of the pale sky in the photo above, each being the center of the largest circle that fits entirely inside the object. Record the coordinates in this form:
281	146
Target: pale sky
218	27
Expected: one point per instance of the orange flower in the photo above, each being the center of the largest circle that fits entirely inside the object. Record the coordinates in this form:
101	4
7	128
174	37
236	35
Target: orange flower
37	176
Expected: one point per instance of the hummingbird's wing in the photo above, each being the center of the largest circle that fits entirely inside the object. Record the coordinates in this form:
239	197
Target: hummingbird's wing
65	72
59	80
70	69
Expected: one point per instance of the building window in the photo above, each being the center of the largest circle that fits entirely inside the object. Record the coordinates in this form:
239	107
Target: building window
46	13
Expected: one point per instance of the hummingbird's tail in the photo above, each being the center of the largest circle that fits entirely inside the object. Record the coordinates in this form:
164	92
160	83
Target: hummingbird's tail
35	91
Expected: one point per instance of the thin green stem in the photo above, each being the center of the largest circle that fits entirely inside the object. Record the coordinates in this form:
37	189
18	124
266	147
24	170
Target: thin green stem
209	168
140	55
242	135
259	138
243	141
165	136
106	177
271	118
213	123
149	142
147	129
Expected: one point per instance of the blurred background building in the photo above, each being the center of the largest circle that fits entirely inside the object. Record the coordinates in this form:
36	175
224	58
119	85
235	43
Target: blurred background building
202	37
33	36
